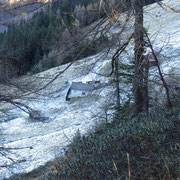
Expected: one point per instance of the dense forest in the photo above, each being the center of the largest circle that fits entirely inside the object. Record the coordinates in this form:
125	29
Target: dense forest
24	44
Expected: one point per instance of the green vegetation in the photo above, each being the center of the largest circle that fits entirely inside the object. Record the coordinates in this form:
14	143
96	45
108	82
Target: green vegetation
152	145
24	44
131	148
87	48
30	39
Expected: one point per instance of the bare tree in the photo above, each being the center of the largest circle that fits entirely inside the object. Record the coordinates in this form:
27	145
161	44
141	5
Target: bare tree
138	52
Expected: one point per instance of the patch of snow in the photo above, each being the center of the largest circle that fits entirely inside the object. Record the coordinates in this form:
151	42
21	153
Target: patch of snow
36	143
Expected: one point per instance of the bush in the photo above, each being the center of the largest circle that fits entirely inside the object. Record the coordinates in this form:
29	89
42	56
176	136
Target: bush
145	148
152	145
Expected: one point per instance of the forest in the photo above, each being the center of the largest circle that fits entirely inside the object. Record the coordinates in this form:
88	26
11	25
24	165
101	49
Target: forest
26	43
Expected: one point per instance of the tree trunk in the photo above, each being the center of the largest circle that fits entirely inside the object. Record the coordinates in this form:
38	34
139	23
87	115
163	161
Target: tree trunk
138	52
169	103
117	83
146	79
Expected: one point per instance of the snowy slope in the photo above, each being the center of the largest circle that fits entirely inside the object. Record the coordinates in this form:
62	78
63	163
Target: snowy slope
40	142
36	143
164	26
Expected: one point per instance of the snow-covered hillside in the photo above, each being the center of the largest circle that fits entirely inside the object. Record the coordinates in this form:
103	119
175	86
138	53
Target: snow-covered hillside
40	142
35	143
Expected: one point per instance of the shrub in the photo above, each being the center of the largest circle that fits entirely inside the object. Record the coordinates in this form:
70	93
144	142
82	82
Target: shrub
152	145
145	148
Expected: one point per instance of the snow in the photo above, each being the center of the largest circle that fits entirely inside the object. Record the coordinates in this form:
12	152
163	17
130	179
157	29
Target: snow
40	142
36	143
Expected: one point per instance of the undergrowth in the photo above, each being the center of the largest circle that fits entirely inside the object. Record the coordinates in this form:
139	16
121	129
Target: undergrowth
152	145
126	148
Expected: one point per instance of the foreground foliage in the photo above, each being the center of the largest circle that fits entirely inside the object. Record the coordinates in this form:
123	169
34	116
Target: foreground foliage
134	148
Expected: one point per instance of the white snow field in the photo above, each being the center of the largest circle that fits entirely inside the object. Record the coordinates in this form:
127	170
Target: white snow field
34	143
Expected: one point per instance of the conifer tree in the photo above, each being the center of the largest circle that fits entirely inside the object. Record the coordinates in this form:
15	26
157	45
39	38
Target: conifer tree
37	57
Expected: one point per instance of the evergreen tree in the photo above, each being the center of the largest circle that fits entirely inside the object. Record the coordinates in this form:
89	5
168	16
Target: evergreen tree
37	57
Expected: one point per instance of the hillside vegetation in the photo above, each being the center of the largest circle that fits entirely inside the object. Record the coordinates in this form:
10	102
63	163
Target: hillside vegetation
126	148
51	29
127	127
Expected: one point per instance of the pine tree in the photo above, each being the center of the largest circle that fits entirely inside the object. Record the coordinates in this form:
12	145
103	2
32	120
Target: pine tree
37	57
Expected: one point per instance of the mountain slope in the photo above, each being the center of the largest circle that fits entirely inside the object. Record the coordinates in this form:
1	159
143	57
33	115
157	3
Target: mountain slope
40	142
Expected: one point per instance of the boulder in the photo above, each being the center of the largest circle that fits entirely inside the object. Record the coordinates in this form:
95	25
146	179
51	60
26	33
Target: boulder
36	116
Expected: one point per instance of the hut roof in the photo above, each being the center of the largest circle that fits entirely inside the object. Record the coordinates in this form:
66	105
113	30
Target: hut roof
79	86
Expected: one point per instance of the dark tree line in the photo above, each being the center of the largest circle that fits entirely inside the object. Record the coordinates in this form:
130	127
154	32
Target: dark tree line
31	38
27	42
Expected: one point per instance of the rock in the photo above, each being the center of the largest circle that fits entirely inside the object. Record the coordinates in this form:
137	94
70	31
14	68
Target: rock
36	116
